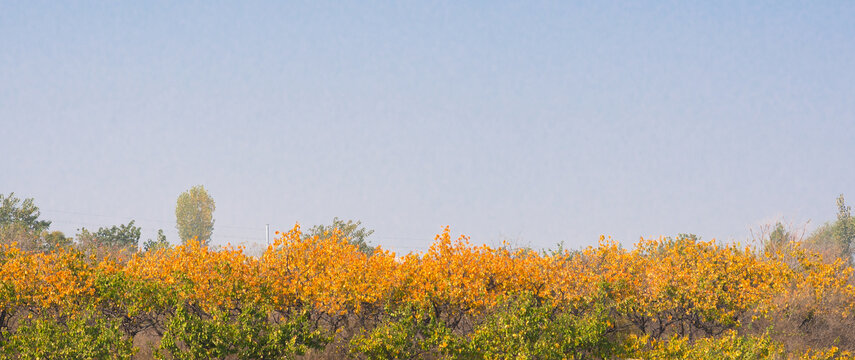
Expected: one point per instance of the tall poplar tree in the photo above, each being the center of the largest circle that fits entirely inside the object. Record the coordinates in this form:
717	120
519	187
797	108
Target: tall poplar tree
844	229
194	215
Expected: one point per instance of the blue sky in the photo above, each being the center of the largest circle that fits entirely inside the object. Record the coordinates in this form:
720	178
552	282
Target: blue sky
535	122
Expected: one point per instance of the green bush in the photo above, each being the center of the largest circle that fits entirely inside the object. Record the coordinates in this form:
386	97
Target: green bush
86	335
407	334
728	346
520	328
525	328
247	335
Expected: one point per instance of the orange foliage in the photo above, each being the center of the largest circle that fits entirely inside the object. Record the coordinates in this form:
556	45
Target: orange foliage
658	285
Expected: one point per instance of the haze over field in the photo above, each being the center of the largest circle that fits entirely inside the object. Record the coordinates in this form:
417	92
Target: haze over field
534	122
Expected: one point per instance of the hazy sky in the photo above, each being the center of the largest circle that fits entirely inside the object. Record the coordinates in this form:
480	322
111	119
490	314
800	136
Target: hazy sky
535	122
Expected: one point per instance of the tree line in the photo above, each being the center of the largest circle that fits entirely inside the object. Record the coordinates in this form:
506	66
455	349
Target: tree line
20	224
327	293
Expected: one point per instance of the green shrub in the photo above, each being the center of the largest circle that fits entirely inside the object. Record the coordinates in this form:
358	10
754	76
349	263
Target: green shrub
86	335
247	335
728	346
524	328
407	334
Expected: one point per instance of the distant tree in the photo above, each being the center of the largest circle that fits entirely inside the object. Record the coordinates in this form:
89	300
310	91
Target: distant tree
20	225
54	240
775	238
669	240
843	229
27	240
350	231
160	243
26	213
114	237
559	250
19	235
779	236
822	241
693	237
122	235
194	214
836	238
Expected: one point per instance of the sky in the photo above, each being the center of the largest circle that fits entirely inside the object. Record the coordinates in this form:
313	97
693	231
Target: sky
530	122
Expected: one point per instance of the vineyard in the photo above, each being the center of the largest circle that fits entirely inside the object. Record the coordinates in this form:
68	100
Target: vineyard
320	297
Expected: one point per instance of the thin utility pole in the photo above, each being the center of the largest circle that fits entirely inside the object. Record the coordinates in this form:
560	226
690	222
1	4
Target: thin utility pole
267	233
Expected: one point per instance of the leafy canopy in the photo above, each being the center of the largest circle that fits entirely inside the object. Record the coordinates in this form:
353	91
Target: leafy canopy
26	213
20	225
160	243
352	231
194	215
126	235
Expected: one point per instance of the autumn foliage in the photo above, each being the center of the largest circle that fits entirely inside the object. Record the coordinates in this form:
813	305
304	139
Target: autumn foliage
321	297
